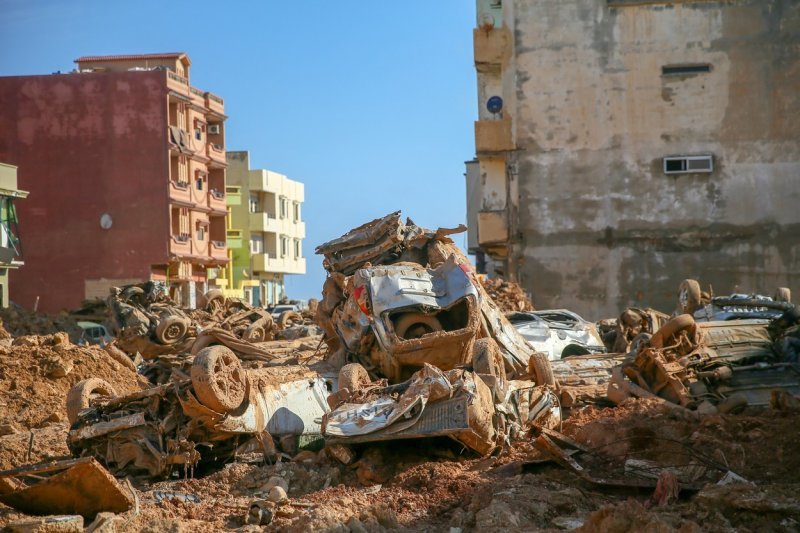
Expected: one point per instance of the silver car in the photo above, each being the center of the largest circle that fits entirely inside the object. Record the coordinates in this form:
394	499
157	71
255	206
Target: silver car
557	332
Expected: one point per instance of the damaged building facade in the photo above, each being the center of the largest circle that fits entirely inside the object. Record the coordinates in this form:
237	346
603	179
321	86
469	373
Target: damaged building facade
125	162
622	146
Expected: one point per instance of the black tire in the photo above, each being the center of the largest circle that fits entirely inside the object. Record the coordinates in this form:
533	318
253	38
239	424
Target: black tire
218	380
542	371
689	296
79	397
486	358
415	325
171	329
353	377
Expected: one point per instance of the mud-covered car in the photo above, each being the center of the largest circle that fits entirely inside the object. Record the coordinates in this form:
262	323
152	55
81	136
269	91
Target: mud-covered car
143	310
220	410
706	308
724	365
557	332
400	296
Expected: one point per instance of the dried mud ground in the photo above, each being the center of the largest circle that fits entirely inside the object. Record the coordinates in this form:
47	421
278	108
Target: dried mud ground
426	486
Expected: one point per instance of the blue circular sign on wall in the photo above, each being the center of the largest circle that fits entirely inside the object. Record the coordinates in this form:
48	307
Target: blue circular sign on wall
494	104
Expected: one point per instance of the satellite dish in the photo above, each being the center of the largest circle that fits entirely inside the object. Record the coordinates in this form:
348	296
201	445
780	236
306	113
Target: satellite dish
245	273
494	104
105	221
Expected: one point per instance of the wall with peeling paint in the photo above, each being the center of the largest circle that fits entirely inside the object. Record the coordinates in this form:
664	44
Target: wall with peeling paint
600	226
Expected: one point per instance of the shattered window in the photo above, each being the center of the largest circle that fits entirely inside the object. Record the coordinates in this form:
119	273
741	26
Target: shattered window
8	221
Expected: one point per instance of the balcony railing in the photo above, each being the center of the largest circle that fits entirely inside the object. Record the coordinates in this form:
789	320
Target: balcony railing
215	103
219	195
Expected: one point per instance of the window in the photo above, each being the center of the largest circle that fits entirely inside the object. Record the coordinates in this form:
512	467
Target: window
201	233
254	203
256	244
284	207
199	182
284	246
297	249
689	164
676	70
297	211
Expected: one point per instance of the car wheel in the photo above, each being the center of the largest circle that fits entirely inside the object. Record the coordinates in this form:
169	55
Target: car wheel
689	296
171	329
415	325
670	329
254	333
783	294
353	377
288	316
80	396
486	358
218	379
215	301
132	294
542	371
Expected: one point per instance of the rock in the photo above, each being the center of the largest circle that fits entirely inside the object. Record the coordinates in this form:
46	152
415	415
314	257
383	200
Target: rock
61	339
60	369
386	516
55	417
356	526
275	481
497	516
306	456
341	453
277	495
103	523
371	468
9	429
260	513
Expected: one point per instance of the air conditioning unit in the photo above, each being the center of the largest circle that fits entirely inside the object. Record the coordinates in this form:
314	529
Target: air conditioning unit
214	129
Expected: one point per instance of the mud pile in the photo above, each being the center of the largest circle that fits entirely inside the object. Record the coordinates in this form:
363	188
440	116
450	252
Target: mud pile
36	372
19	322
507	295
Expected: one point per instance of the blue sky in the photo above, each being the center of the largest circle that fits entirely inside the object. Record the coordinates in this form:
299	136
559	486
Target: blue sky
369	103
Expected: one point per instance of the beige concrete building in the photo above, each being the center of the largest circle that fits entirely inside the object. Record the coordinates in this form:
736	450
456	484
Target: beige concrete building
623	145
266	230
10	242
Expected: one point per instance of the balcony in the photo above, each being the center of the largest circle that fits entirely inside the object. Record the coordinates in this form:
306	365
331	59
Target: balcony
218	250
216	201
492	228
215	103
180	245
216	153
234	238
264	222
177	83
491	48
233	195
179	191
493	136
197	96
285	265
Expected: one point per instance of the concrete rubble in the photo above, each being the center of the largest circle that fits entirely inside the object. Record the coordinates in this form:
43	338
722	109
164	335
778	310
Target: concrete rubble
407	399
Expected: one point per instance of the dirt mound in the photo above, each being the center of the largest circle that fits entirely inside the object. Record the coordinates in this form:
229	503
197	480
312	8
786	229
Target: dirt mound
18	322
507	295
36	372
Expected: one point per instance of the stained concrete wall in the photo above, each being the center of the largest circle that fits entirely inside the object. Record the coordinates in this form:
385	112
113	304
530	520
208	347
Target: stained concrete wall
600	226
